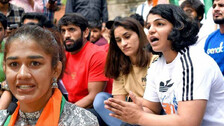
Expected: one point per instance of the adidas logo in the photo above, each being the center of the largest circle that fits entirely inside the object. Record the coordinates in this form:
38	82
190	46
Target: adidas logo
165	86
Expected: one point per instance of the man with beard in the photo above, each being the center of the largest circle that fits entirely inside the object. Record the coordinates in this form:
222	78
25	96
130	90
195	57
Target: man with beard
84	71
95	33
13	14
214	43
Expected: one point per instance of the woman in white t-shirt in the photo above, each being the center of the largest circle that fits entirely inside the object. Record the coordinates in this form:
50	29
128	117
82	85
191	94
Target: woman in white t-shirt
185	82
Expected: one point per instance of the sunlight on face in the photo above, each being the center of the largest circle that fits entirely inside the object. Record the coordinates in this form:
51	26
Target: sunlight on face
28	71
158	31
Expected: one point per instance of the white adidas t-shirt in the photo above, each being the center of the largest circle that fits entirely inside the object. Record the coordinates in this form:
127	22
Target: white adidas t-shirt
191	75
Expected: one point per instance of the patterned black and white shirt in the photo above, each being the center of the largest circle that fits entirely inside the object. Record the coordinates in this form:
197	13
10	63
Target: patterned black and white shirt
72	115
14	15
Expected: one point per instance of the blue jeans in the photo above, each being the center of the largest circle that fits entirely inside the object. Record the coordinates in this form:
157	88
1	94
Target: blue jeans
98	105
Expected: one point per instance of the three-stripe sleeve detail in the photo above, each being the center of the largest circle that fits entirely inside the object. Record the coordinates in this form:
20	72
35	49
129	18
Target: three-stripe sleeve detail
188	75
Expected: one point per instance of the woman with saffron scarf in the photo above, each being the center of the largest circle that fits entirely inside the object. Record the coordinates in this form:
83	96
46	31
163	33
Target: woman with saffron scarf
32	67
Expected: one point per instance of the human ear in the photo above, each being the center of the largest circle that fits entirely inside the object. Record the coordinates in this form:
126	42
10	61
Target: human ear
58	69
86	33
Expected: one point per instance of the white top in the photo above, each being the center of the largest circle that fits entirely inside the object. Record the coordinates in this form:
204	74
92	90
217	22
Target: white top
207	28
191	75
143	9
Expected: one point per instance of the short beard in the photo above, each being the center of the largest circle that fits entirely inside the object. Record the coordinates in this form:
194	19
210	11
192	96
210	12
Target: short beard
77	44
94	41
219	21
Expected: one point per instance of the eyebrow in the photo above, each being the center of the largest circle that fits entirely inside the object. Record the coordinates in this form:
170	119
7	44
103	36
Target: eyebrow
158	19
29	57
122	35
125	33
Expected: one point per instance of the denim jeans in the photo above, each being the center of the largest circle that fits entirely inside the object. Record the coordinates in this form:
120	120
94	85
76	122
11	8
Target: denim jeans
98	105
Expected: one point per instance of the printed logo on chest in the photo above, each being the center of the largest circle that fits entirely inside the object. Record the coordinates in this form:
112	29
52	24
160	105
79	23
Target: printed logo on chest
216	50
164	86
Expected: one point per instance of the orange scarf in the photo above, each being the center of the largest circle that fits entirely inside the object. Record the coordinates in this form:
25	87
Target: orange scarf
51	112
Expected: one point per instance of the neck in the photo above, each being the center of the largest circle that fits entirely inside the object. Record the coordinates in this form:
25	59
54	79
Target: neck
37	105
170	56
133	59
221	28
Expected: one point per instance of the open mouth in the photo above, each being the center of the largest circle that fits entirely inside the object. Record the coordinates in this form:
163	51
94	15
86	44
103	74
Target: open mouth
153	39
25	86
217	15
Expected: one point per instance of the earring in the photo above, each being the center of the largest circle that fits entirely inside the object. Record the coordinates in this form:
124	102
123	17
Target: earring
54	84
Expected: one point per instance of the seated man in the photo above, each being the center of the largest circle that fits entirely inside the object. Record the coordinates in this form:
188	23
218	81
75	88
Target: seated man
84	71
95	33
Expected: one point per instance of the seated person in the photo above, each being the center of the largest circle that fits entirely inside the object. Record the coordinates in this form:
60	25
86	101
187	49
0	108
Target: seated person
32	66
84	71
184	81
127	64
96	33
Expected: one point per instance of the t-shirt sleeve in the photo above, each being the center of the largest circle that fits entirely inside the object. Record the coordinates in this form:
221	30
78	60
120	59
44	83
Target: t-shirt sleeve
205	77
119	87
96	69
150	93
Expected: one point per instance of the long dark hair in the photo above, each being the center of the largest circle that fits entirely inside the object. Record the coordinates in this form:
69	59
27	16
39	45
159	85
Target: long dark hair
117	62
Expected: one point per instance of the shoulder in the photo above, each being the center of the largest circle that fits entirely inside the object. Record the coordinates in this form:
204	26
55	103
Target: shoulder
213	34
199	60
93	48
75	116
156	65
194	54
14	7
95	51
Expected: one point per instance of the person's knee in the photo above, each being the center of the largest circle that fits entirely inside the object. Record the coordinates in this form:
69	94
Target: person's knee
99	100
